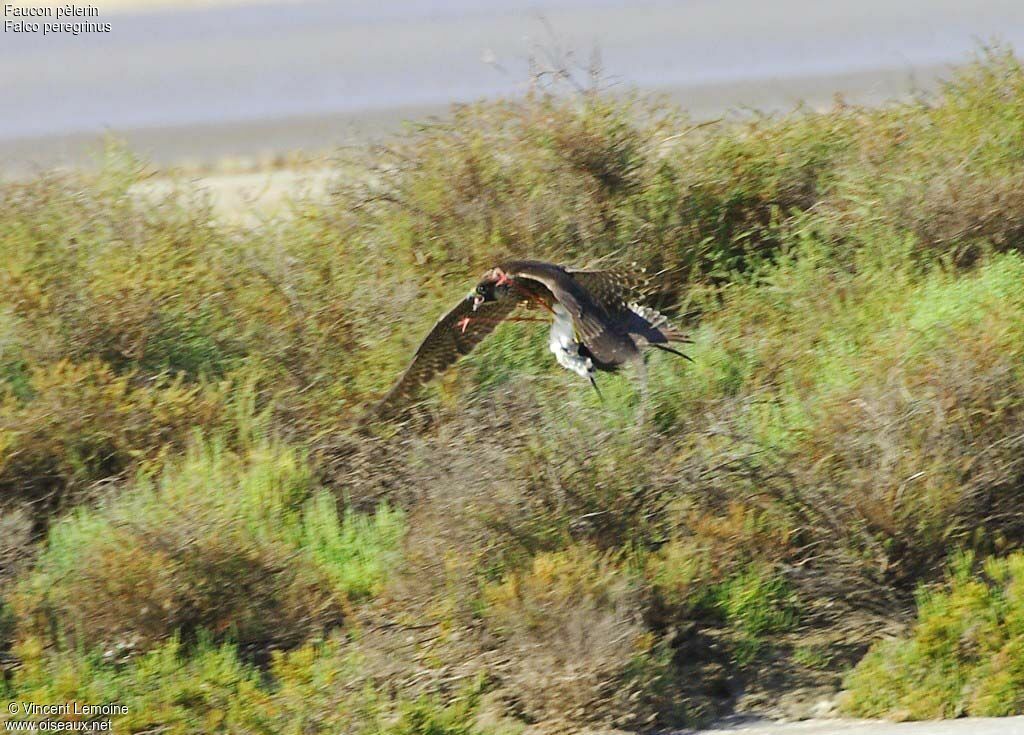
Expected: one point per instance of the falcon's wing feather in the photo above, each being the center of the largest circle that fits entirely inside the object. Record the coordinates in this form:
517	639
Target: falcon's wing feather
624	292
445	344
602	300
613	287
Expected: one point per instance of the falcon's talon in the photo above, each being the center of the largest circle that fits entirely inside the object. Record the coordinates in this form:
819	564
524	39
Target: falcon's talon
463	323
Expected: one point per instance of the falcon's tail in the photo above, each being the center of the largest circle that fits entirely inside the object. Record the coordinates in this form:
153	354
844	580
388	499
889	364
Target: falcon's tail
653	327
650	327
672	333
665	348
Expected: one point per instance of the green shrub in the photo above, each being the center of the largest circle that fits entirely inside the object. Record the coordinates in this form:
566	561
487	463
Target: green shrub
354	550
947	171
216	545
963	656
755	603
721	561
207	692
679	574
429	717
207	688
95	272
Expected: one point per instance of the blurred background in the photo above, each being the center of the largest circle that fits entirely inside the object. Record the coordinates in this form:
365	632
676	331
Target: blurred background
188	80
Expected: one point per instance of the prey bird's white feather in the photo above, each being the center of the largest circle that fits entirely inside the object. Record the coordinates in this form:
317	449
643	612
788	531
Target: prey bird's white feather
564	345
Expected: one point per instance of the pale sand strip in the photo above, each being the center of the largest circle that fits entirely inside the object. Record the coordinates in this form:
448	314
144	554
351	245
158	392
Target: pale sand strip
246	199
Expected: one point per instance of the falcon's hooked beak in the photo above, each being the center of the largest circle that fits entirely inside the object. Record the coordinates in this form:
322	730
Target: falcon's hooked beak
483	293
494	286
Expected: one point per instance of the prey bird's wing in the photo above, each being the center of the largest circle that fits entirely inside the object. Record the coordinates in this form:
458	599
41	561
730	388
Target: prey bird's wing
589	318
451	338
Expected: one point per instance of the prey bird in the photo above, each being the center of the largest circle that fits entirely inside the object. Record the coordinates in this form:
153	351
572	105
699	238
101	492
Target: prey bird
597	323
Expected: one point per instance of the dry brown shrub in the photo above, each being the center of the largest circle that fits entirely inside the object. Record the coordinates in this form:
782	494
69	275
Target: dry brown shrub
85	424
498	483
954	211
15	540
906	469
572	627
139	588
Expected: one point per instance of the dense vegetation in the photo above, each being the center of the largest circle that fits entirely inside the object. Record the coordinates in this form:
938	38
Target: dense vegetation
191	524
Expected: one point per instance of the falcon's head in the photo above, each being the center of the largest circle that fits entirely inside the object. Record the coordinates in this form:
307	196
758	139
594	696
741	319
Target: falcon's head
495	286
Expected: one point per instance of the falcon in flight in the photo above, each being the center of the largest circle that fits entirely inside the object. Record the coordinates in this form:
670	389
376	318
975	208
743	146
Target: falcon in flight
597	323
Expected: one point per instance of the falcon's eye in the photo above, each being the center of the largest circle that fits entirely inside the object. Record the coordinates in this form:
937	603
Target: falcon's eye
480	289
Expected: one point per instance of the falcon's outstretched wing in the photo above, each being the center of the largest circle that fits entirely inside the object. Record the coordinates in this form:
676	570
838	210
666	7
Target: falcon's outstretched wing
450	339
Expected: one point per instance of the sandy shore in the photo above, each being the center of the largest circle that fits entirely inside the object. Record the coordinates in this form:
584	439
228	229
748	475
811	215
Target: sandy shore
246	199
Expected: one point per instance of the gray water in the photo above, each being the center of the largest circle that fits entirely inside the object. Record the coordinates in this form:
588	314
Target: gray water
242	80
